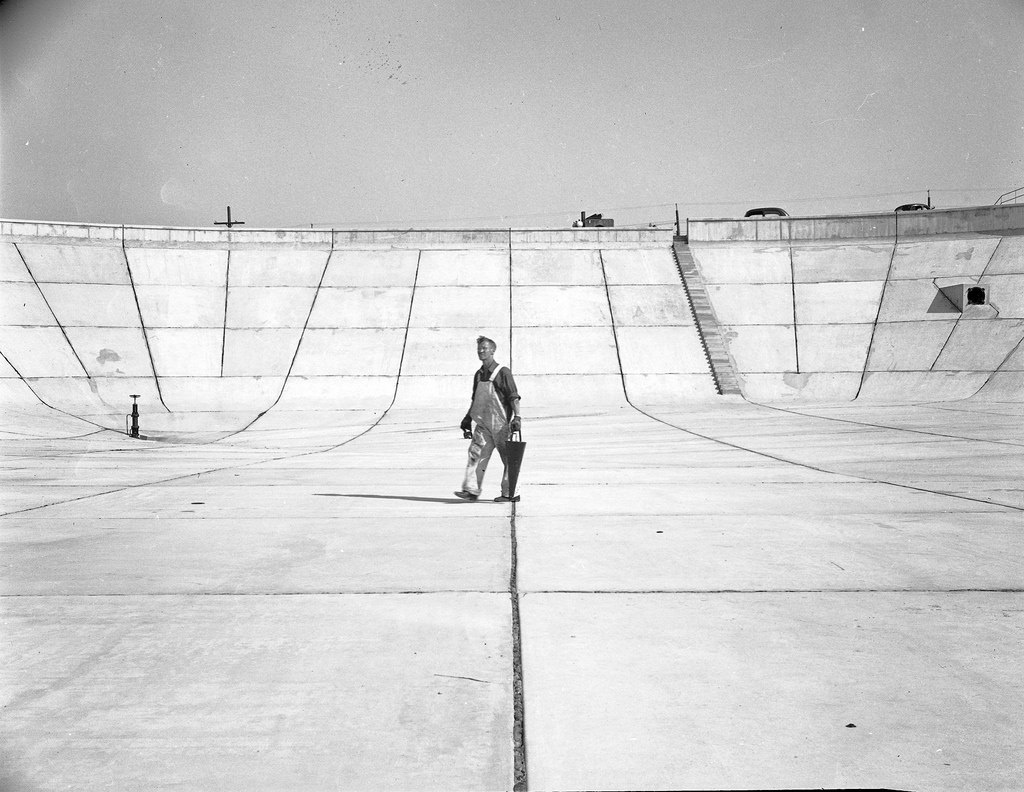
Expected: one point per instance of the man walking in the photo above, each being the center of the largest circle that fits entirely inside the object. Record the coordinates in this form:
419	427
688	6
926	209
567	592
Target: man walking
495	409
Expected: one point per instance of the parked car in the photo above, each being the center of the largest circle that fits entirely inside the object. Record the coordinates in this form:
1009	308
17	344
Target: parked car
912	207
767	211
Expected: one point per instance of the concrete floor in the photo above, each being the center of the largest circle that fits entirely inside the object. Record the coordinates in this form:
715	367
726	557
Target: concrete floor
726	596
716	594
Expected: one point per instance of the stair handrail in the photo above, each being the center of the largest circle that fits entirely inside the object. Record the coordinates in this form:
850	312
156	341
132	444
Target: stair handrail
1010	197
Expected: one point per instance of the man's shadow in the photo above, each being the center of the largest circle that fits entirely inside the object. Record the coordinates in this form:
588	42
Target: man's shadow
389	497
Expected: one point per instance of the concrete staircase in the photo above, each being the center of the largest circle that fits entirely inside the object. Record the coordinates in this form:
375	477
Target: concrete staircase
704	320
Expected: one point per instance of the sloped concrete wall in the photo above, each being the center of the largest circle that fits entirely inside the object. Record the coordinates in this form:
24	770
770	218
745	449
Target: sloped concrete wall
661	355
842	317
223	330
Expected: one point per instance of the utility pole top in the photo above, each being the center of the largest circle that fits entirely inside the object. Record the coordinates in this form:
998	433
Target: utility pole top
229	222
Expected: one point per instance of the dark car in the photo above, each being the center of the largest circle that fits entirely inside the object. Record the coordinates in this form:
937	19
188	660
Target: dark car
914	207
767	211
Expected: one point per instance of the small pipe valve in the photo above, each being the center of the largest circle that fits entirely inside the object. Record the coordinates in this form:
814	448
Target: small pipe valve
133	429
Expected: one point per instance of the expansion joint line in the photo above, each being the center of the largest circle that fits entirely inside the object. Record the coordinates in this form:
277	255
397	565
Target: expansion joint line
227	291
405	337
878	313
991	258
756	592
142	322
14	368
999	368
615	332
806	466
49	307
1006	359
796	330
518	695
952	330
904	429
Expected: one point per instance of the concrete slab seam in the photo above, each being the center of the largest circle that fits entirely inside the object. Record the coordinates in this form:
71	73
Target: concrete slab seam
878	314
806	466
519	776
57	321
183	476
518	691
227	292
984	271
952	330
615	332
405	338
792	285
250	463
888	322
142	322
891	428
991	258
7	360
762	591
998	368
269	327
948	407
28	436
96	494
1006	359
225	594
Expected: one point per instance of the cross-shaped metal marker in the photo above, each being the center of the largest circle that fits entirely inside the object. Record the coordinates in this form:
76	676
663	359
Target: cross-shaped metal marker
229	222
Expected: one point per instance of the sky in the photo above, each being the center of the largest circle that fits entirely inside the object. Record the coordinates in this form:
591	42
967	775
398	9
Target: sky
482	114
